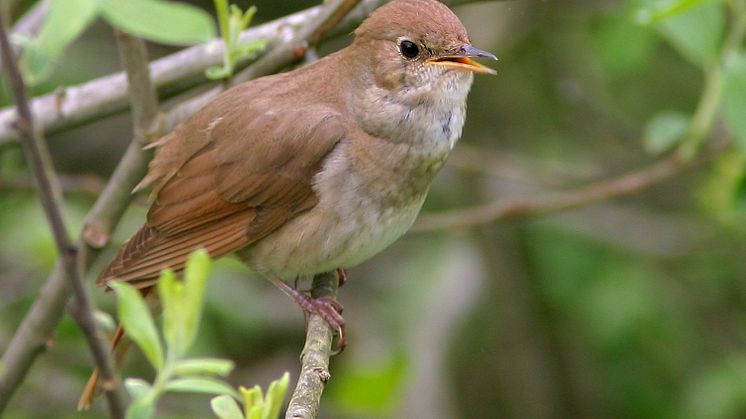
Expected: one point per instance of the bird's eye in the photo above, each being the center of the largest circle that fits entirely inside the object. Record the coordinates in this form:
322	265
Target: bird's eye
409	49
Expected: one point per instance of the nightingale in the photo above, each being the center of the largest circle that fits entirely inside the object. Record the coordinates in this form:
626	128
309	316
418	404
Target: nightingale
315	169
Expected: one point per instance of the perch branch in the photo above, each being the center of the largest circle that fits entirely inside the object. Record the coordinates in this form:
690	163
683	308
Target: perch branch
43	317
314	372
49	189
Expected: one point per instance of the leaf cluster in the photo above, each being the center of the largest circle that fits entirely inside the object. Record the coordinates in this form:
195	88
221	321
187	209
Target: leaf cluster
182	302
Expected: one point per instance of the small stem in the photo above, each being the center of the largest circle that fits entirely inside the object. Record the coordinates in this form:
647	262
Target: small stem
501	210
709	102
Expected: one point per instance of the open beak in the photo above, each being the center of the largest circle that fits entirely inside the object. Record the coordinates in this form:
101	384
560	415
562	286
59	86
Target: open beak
462	61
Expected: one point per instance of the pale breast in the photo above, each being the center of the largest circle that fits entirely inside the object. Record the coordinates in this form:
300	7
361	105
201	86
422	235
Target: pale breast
371	187
357	217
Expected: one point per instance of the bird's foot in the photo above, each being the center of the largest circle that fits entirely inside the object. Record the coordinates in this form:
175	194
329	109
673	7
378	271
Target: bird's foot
326	307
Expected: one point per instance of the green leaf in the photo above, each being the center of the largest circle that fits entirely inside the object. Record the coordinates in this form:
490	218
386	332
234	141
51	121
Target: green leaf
217	72
138	323
659	10
734	98
182	302
203	366
140	409
137	388
170	291
249	49
160	21
252	398
196	274
200	385
225	407
623	46
258	406
371	387
739	195
276	395
231	22
664	131
696	33
66	20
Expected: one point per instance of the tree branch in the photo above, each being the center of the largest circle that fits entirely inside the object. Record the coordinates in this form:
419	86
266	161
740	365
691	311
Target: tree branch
73	106
501	210
314	372
31	337
43	317
40	161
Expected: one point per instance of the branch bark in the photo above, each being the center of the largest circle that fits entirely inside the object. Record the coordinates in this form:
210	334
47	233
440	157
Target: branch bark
73	106
501	210
49	190
314	372
31	337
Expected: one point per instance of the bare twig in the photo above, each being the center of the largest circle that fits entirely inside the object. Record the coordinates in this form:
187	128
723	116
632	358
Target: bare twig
44	315
91	101
314	372
501	210
144	102
48	185
89	184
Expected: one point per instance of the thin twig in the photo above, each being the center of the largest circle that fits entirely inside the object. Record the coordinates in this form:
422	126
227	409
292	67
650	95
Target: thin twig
144	103
69	107
502	210
314	372
31	338
48	186
89	184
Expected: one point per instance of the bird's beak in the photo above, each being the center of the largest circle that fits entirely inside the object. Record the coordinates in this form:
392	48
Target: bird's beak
462	61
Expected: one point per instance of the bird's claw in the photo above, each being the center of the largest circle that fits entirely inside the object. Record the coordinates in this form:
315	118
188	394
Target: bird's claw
330	310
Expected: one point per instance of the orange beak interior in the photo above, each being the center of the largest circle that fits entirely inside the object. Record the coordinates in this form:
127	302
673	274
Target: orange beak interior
461	63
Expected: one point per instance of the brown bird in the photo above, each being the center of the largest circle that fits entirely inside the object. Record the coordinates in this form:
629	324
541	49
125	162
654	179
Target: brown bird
315	169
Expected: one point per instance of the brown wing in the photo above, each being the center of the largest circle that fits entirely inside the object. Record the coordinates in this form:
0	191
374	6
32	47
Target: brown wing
225	178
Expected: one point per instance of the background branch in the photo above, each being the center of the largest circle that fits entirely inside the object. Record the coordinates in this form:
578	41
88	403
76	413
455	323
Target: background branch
44	315
49	189
73	106
501	209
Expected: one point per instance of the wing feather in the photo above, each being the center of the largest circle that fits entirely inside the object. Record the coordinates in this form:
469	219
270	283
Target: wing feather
224	179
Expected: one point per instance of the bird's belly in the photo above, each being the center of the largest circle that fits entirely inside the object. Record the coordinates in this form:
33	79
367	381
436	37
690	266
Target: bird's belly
322	240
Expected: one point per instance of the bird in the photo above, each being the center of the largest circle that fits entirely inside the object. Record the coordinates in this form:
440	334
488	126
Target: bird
315	169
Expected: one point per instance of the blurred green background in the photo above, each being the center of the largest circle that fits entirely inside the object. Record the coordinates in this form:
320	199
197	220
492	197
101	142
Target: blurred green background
631	308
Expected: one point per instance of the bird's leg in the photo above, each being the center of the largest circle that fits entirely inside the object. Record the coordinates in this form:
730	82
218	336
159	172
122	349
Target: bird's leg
327	307
342	274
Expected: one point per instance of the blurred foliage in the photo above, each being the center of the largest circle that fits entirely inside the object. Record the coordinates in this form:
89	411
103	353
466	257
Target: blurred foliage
154	20
632	308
